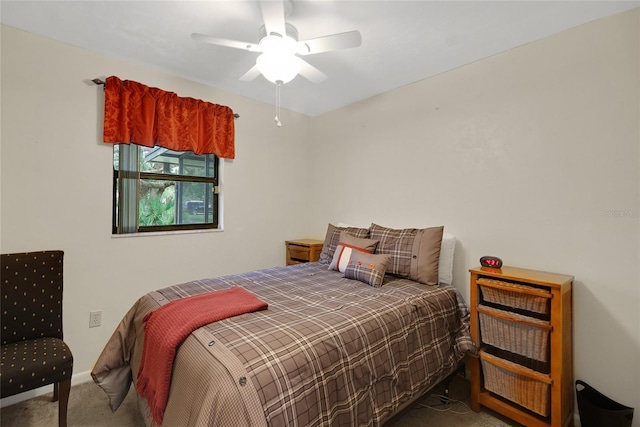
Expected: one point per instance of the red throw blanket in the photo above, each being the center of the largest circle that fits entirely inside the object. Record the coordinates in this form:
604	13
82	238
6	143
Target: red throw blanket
168	326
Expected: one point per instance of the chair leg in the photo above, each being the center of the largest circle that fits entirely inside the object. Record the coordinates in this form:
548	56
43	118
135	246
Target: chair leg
64	389
56	386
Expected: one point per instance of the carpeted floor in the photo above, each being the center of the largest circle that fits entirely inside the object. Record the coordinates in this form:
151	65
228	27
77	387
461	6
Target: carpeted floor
88	407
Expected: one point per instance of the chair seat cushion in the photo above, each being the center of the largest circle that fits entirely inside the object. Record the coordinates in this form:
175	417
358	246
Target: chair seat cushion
29	364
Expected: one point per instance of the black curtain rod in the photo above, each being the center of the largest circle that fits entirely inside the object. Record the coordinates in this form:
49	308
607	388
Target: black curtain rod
102	82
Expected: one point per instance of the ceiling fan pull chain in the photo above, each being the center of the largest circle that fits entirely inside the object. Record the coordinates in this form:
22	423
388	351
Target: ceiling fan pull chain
277	118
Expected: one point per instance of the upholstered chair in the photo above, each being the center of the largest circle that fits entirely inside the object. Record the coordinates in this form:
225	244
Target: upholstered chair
33	353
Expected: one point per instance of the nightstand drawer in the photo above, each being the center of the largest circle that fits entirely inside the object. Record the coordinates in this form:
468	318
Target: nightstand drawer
304	250
299	253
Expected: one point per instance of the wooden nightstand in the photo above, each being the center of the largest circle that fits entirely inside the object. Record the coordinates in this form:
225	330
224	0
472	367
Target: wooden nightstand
303	250
515	314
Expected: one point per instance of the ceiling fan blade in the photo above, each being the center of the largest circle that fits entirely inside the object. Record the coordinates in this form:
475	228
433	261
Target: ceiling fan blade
251	74
311	73
331	42
273	16
226	42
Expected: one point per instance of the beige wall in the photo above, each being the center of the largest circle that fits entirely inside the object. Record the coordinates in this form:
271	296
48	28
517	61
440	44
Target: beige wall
531	155
56	178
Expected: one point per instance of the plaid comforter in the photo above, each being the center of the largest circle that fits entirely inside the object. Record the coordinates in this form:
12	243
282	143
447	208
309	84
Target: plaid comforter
329	351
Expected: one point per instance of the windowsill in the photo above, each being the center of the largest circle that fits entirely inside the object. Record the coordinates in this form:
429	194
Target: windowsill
167	233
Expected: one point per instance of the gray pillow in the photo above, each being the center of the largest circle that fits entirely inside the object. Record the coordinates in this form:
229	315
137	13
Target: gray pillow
367	268
333	237
348	244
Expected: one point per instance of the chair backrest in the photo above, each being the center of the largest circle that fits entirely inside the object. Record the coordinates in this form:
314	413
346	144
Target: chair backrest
31	289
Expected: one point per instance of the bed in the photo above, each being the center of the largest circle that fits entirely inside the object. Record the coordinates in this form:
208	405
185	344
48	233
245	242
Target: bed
329	350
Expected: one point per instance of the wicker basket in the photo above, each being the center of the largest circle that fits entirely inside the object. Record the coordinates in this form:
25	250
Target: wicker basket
514	332
515	295
521	385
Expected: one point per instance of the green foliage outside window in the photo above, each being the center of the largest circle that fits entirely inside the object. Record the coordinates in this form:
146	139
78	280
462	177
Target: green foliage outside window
173	190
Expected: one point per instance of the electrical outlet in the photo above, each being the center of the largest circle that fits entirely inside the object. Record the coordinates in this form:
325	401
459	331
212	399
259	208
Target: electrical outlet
95	318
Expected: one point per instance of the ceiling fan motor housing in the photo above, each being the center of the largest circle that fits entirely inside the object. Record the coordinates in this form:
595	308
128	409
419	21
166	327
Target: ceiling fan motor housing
290	30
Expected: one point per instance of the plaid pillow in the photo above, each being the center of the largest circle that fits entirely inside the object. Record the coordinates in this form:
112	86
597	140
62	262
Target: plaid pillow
415	253
367	268
333	237
346	246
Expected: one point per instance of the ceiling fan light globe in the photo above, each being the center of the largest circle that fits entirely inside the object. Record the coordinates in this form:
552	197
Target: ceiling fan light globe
278	67
278	45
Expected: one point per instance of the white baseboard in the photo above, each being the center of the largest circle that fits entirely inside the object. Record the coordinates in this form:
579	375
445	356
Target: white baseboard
76	379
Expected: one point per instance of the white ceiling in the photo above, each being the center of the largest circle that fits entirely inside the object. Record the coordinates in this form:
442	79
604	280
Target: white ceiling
403	41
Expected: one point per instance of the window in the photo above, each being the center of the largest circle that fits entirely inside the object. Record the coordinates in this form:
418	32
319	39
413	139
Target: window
156	189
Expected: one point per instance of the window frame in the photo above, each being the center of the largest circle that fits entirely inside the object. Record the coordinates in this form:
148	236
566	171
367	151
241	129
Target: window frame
142	175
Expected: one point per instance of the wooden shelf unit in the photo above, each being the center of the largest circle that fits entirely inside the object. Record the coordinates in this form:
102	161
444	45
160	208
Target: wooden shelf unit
559	376
303	250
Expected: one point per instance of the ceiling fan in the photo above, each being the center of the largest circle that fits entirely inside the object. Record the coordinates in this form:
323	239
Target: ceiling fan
280	51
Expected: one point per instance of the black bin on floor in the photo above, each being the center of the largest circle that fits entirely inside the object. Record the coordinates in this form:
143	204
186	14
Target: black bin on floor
597	410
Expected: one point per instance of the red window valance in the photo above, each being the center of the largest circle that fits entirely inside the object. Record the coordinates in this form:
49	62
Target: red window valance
135	113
